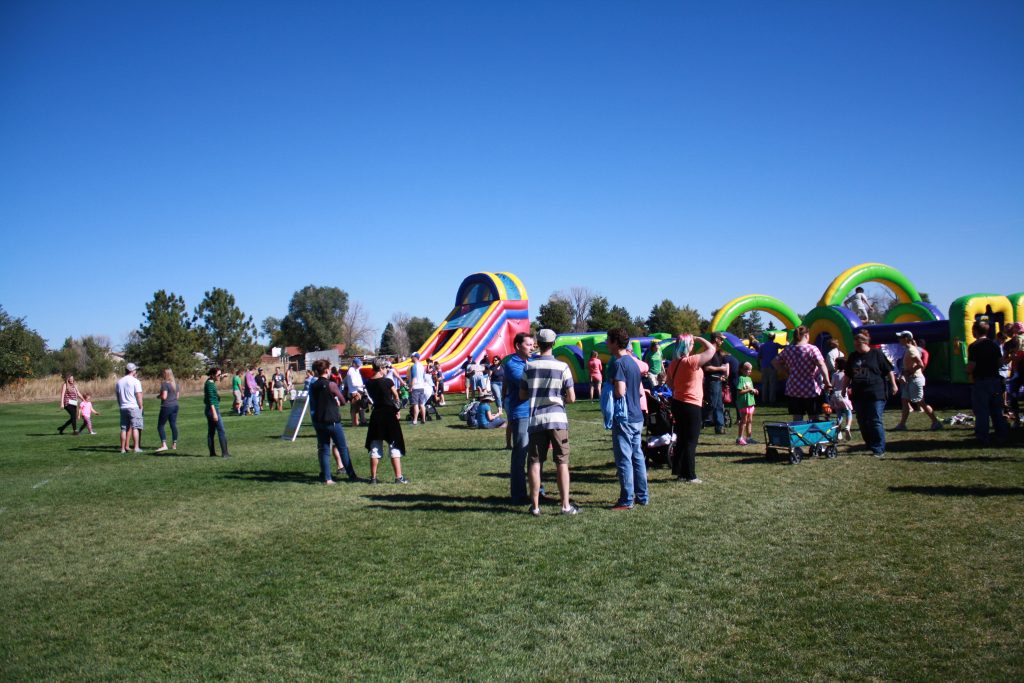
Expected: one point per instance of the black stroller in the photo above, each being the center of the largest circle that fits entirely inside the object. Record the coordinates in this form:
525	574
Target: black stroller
659	442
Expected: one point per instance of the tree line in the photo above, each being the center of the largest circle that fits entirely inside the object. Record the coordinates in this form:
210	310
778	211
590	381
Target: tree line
215	332
580	309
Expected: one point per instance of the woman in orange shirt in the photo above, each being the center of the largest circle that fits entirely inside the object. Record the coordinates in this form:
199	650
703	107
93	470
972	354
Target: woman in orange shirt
686	378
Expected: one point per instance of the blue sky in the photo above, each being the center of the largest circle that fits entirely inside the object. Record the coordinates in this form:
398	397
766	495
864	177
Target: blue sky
647	150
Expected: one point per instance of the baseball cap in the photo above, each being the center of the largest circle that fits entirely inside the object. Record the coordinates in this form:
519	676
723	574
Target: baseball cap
415	354
905	333
546	336
131	367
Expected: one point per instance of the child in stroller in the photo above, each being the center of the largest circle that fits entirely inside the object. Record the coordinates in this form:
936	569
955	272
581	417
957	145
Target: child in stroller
659	444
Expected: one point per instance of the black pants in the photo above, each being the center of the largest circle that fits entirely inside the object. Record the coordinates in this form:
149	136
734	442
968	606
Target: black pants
72	420
687	428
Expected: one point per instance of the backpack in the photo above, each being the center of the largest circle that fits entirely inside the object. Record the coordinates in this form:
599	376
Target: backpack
468	411
473	419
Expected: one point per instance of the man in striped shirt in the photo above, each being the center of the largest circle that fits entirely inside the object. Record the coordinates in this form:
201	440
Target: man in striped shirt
547	384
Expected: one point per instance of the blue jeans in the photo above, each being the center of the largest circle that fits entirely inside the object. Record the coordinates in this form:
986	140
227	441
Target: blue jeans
517	473
629	461
987	402
606	404
869	418
496	388
216	427
251	401
325	433
715	405
167	414
493	424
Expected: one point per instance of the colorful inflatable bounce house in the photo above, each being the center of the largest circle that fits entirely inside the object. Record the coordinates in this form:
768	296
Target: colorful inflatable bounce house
945	337
490	309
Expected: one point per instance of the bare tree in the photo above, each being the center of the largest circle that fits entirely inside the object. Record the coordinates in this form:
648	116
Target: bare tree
356	331
882	301
580	299
400	333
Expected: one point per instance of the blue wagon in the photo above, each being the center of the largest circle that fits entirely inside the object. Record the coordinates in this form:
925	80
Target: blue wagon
797	439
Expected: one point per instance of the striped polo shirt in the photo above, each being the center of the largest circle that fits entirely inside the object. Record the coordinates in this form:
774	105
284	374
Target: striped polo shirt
545	379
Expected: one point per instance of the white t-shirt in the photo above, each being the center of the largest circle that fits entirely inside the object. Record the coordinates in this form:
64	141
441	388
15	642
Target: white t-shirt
417	375
860	302
127	387
832	356
353	380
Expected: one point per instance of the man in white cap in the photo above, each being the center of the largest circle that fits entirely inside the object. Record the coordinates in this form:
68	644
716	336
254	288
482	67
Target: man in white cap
547	383
912	381
129	400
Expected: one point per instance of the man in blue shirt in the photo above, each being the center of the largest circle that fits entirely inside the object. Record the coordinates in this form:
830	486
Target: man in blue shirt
518	414
627	422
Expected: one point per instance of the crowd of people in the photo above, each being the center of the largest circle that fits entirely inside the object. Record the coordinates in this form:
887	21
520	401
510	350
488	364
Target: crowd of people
532	388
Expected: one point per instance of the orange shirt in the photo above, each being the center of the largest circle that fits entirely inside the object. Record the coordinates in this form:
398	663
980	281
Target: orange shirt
686	378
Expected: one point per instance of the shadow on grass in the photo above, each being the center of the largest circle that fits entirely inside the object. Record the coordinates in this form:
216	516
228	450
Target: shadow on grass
101	449
277	437
760	460
979	491
438	503
442	449
273	477
926	445
938	459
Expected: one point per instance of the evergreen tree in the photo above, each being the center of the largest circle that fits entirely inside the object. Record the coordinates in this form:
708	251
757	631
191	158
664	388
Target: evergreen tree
555	315
669	318
165	339
227	335
419	330
387	341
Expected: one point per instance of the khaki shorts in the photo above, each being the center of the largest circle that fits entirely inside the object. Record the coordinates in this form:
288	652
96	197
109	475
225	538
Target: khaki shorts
913	390
279	394
557	439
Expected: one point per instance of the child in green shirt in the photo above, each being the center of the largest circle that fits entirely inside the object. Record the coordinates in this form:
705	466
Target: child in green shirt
745	393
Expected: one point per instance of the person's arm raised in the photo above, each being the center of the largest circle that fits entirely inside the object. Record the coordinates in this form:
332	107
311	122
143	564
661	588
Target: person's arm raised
708	353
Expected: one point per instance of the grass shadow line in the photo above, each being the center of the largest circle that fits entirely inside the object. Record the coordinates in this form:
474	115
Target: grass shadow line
938	459
957	491
925	445
273	477
441	503
456	450
101	449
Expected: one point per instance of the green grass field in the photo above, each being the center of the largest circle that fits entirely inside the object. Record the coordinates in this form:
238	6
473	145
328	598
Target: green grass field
185	567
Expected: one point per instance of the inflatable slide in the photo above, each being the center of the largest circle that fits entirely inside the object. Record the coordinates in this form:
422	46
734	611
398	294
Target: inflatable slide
490	309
